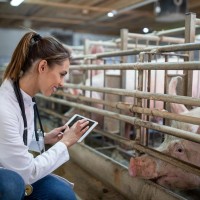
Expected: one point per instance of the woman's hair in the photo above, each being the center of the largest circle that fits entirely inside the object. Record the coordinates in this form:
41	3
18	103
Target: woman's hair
32	47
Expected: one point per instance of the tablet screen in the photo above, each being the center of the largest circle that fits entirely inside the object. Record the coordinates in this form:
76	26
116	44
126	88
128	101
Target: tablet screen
91	124
79	118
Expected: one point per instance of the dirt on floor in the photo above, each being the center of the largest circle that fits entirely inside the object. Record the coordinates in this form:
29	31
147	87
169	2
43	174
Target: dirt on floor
86	186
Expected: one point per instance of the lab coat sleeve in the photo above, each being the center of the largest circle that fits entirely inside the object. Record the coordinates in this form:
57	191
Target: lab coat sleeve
14	154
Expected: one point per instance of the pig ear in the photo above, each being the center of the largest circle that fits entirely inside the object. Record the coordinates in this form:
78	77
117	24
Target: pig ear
185	126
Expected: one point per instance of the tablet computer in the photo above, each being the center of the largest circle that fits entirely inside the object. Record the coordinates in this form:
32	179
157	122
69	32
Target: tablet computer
77	117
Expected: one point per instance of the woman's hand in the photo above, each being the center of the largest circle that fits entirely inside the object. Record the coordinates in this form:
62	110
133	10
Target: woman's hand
72	135
55	135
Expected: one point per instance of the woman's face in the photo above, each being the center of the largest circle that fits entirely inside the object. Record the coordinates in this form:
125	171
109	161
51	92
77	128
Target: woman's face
52	78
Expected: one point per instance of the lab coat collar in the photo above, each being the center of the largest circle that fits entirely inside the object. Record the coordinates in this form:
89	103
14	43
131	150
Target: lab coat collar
8	85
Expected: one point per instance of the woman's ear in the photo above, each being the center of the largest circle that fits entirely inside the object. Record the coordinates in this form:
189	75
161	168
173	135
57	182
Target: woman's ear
42	66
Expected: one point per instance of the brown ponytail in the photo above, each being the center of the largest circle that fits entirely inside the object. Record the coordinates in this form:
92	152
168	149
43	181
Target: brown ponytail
32	47
18	58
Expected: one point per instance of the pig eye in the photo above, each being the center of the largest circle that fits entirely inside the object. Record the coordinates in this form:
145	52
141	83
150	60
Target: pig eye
180	150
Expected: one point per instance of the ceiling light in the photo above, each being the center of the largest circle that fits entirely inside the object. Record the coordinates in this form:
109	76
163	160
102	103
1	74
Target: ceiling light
112	13
145	30
16	2
157	8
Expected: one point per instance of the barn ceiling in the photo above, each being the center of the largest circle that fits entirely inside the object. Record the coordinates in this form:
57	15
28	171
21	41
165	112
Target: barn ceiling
89	15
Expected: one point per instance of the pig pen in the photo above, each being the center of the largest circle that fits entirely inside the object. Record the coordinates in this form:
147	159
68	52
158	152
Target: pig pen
137	113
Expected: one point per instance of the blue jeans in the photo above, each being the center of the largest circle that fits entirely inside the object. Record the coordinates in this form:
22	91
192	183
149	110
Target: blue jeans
51	188
12	186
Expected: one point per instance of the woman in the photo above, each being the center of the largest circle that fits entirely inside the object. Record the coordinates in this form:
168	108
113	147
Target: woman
38	64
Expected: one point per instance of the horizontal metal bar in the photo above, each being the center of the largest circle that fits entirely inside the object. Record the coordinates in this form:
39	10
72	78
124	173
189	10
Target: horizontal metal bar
149	37
153	50
140	94
132	120
132	108
192	65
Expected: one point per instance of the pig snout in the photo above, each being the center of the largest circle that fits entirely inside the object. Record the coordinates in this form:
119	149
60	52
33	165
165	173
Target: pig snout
144	167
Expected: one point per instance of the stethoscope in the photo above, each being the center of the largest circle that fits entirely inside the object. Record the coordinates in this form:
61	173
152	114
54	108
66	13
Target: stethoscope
36	114
38	132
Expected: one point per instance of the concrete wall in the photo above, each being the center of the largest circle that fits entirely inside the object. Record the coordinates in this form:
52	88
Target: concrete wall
9	38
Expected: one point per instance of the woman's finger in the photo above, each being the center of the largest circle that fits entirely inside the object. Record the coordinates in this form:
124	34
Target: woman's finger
84	130
84	124
60	135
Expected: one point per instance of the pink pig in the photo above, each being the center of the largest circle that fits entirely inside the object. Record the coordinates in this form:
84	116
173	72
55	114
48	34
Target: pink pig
163	173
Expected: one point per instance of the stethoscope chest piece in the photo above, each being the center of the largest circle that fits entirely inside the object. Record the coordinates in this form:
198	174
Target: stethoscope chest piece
28	190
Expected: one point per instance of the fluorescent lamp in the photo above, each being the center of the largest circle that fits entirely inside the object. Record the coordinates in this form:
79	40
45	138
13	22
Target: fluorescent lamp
16	2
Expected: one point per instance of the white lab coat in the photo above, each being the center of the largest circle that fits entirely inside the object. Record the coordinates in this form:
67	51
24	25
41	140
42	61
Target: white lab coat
14	154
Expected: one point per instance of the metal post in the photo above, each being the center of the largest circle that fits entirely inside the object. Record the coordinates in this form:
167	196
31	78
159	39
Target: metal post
124	46
190	23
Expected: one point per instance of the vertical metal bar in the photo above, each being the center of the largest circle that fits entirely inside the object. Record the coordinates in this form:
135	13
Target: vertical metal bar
148	90
139	135
123	59
86	73
190	23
